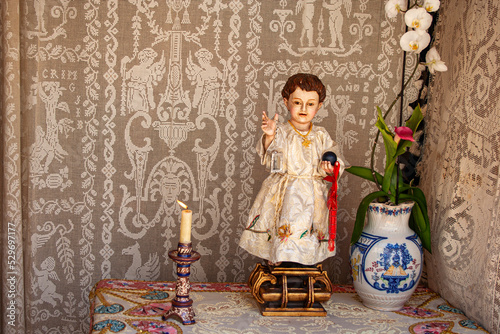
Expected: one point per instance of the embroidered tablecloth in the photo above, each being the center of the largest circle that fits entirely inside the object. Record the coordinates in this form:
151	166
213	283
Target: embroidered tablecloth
123	306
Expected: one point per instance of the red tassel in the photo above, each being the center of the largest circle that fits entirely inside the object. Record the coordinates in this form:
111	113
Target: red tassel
332	206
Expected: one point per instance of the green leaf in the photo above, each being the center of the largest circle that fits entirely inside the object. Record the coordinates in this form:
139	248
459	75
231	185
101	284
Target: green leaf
394	183
403	186
420	196
389	143
413	225
365	173
402	145
359	224
423	234
381	122
415	119
420	216
388	178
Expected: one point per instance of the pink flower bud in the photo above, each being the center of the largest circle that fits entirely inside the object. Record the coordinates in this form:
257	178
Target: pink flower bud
404	133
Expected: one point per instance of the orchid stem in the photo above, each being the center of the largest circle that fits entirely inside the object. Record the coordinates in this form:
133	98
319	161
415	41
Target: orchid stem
400	95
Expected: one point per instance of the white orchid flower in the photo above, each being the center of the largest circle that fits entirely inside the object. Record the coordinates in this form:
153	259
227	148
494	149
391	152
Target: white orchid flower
415	41
393	7
418	18
434	62
431	5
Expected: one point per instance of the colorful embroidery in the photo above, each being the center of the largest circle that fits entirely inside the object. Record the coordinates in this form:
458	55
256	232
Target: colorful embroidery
150	310
284	232
451	309
155	326
109	309
423	314
254	221
155	295
467	323
303	234
418	312
431	327
113	325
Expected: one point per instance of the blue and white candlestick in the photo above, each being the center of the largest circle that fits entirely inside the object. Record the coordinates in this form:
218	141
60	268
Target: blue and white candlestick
182	305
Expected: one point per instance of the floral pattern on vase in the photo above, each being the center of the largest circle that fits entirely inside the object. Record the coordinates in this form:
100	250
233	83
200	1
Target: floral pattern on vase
387	259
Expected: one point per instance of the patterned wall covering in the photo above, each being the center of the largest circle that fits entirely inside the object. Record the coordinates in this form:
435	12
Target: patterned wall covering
127	106
113	110
461	161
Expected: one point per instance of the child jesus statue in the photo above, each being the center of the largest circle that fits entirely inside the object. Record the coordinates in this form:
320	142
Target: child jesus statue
289	220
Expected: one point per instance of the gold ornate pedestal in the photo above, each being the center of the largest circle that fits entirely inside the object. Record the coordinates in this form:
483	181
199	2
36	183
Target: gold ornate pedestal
282	291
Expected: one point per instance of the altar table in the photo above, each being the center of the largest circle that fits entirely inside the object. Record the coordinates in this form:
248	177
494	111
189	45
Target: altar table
124	306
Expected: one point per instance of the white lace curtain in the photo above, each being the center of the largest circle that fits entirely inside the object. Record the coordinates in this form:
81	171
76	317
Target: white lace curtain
461	158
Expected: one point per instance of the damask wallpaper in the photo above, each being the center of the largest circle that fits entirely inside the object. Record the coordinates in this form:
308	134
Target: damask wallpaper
114	110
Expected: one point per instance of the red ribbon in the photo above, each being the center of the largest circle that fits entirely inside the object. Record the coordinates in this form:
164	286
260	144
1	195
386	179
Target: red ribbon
332	205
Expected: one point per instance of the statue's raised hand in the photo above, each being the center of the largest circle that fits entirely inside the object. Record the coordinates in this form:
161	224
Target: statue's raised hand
269	124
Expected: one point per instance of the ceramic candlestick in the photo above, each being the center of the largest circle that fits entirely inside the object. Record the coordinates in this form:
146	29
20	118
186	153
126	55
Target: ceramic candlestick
182	305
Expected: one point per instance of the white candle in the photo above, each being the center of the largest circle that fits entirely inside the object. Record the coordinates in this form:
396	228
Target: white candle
186	218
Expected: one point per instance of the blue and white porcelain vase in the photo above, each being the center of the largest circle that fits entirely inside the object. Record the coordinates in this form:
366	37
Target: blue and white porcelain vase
387	260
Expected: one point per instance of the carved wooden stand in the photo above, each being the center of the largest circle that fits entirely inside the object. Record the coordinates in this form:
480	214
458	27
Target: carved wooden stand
282	291
182	305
